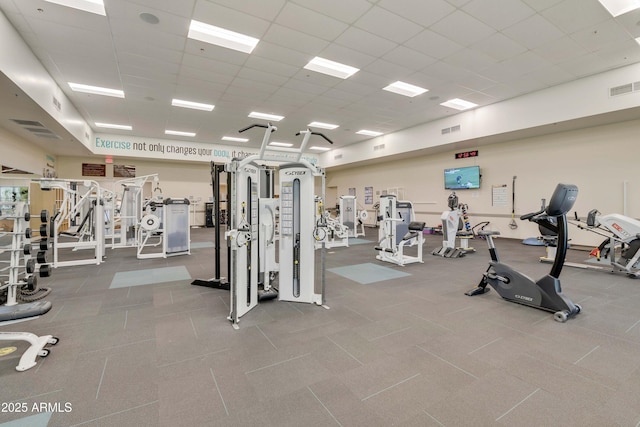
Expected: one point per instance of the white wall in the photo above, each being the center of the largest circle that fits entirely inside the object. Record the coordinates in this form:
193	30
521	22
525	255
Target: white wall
598	160
20	154
177	179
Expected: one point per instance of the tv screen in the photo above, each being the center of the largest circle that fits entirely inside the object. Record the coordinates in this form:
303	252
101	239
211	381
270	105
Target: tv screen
462	178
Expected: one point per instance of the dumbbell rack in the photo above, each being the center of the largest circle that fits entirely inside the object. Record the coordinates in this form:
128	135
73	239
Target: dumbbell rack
21	249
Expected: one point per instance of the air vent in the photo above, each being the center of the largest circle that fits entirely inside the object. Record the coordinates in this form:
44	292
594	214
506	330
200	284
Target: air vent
57	103
36	128
378	147
27	123
624	89
337	157
455	128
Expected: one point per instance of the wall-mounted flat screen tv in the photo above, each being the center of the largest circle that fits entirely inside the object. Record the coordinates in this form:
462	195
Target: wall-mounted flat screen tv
467	177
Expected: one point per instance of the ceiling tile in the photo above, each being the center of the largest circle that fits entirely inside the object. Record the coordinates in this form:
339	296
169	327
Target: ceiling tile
365	42
563	15
510	12
560	50
310	22
403	56
229	19
263	9
499	47
419	11
533	32
292	39
600	36
470	59
433	44
462	28
388	25
345	11
345	55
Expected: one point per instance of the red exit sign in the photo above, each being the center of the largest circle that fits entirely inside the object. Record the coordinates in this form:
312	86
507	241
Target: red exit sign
466	154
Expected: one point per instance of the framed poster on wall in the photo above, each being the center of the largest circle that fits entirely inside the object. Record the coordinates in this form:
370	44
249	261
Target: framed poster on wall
124	171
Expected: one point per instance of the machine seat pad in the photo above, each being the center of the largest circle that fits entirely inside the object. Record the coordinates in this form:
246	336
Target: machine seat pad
24	311
465	233
410	235
416	226
488	233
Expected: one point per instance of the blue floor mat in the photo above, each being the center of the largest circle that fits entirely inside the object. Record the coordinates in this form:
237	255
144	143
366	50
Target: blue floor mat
368	273
152	276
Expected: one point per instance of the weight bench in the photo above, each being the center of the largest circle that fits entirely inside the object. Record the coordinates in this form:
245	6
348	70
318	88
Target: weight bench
21	313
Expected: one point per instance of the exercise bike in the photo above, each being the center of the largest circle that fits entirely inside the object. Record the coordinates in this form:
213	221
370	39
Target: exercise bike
545	293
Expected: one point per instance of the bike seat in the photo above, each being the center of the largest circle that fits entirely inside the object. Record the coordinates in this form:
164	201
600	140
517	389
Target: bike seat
488	233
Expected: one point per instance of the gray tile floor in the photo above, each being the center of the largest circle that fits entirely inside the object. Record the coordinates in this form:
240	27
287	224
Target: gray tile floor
409	351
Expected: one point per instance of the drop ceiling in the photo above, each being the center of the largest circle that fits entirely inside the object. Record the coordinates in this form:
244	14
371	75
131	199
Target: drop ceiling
483	51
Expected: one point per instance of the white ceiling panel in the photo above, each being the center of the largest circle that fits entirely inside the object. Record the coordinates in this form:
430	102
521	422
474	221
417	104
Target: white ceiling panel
292	39
470	59
406	57
433	44
533	32
601	36
345	11
265	9
345	55
181	8
310	22
563	15
499	47
422	12
499	14
221	16
485	50
462	28
388	25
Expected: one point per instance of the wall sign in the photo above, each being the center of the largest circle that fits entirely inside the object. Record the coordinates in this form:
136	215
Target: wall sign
94	169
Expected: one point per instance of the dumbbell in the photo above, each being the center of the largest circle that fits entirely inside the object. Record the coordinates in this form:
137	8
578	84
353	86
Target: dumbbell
44	216
43	245
45	270
27	233
30	265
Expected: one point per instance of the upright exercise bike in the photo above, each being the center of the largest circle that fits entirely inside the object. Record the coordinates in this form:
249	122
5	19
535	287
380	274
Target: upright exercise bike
546	293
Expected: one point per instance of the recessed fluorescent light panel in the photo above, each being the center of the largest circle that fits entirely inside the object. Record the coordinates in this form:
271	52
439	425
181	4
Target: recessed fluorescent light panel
96	90
280	144
323	125
93	6
638	40
620	7
265	116
221	37
406	89
179	133
319	148
234	139
331	68
369	132
190	104
113	126
459	104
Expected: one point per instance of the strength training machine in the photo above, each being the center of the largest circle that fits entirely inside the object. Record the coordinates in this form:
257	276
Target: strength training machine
398	230
455	224
546	293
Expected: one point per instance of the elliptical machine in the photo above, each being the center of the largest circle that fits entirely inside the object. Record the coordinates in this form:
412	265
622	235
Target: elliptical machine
546	293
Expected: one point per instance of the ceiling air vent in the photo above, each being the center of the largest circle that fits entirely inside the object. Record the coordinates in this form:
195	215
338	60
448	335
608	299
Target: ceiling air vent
36	128
337	157
455	128
621	90
378	147
27	123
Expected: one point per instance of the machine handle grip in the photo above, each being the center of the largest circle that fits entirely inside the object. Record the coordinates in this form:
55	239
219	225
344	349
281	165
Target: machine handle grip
255	125
531	215
319	134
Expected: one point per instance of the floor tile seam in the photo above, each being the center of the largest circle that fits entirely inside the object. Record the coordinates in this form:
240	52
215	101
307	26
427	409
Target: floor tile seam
325	407
277	363
391	387
189	359
115	347
570	372
447	362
